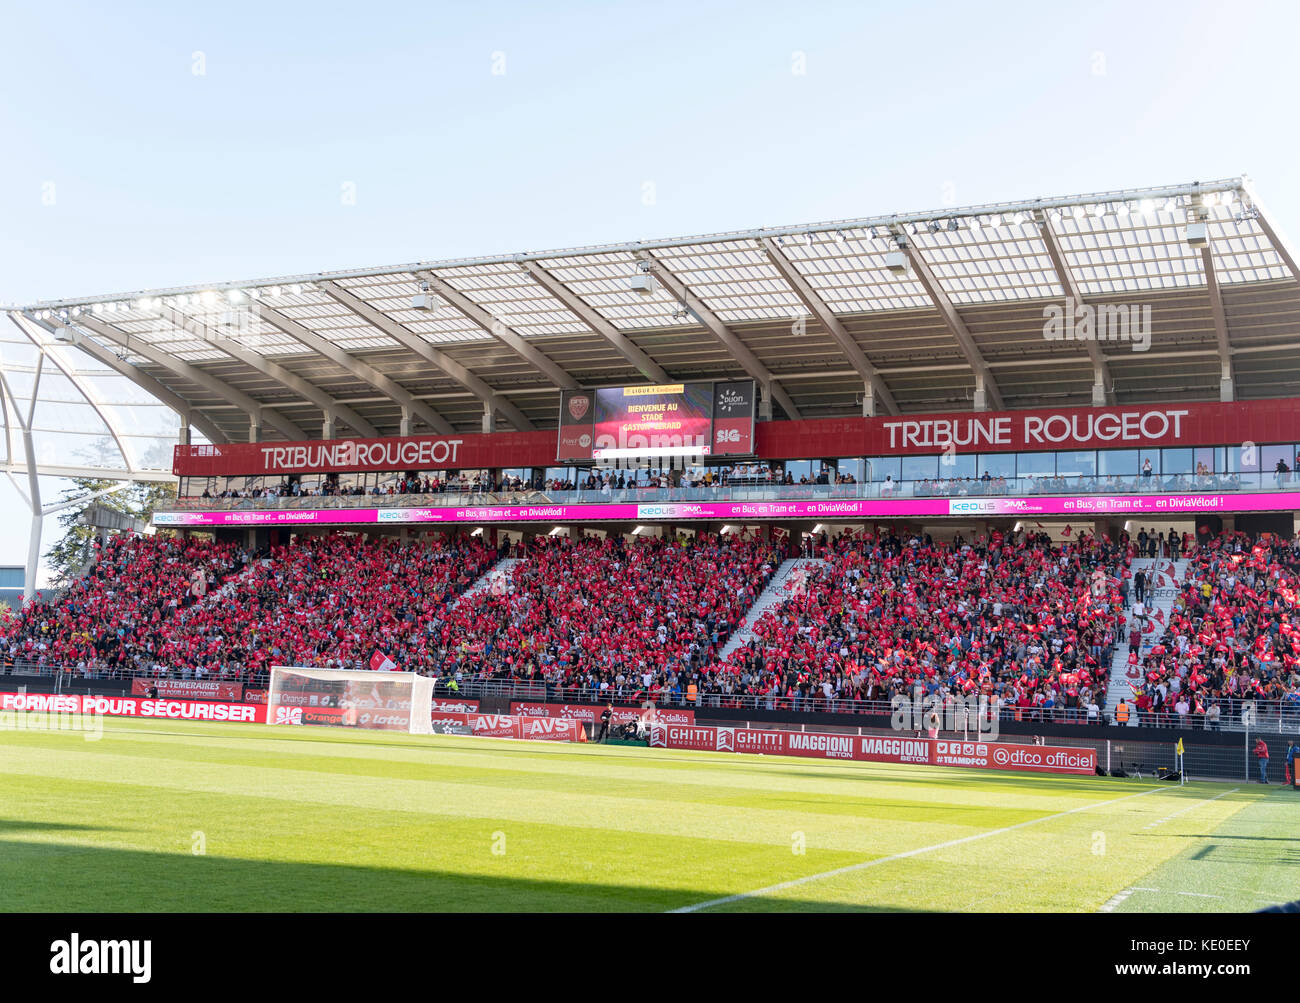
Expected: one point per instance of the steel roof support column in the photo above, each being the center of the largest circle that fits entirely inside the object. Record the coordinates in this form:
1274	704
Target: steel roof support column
873	386
638	359
1102	385
739	351
1227	384
987	395
33	498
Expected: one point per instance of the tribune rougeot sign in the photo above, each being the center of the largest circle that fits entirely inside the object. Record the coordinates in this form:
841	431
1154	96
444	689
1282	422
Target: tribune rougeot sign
732	432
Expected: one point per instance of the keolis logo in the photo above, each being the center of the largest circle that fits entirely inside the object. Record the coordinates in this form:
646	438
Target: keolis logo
75	956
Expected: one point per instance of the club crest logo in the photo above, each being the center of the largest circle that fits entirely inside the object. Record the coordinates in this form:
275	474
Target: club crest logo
579	406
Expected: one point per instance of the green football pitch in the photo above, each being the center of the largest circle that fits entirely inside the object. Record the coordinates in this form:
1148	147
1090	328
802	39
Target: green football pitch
182	816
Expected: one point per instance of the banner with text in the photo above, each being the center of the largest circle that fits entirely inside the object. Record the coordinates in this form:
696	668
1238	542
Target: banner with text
591	714
831	509
878	749
189	710
190	689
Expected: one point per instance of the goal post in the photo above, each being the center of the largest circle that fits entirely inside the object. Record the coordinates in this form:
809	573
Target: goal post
350	698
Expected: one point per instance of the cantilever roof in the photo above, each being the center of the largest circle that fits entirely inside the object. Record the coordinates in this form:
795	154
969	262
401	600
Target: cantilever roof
822	314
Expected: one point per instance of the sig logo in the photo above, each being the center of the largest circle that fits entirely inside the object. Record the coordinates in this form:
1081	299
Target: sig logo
729	435
288	715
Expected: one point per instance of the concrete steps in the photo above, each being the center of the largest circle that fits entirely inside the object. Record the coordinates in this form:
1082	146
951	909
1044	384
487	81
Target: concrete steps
496	579
1164	577
787	581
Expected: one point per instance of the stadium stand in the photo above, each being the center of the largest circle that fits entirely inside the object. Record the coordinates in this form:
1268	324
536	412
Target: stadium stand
611	615
1014	617
1020	618
1230	637
157	604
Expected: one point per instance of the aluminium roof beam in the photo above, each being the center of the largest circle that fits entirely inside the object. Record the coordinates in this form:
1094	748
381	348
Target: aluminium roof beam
638	359
1101	377
257	412
987	395
95	473
363	371
748	361
1281	244
435	357
878	395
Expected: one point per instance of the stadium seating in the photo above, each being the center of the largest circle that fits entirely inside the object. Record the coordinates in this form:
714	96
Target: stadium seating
1020	618
327	601
1232	634
609	614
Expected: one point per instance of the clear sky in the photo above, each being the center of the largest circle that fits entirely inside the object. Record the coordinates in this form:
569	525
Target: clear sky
147	145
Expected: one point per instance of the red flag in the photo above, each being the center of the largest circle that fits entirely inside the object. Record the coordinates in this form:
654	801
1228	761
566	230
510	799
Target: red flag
382	663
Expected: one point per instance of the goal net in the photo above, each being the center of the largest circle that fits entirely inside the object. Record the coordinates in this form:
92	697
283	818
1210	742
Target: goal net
364	698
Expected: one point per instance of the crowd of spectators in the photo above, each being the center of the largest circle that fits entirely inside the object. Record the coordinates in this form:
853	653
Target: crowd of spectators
1018	618
406	484
198	609
961	486
1231	635
618	617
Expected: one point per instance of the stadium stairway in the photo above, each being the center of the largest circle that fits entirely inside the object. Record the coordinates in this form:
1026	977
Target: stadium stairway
496	578
789	576
223	592
1163	577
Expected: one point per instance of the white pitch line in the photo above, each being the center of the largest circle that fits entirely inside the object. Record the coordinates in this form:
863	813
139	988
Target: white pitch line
849	869
1115	902
1216	797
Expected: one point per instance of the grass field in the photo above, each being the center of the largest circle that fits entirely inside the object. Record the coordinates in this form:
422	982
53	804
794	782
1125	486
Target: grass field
184	816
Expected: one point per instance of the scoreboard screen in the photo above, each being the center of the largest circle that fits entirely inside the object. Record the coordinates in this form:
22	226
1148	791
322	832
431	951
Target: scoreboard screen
675	419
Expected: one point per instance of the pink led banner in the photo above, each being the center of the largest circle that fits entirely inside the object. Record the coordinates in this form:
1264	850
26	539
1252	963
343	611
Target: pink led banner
827	510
